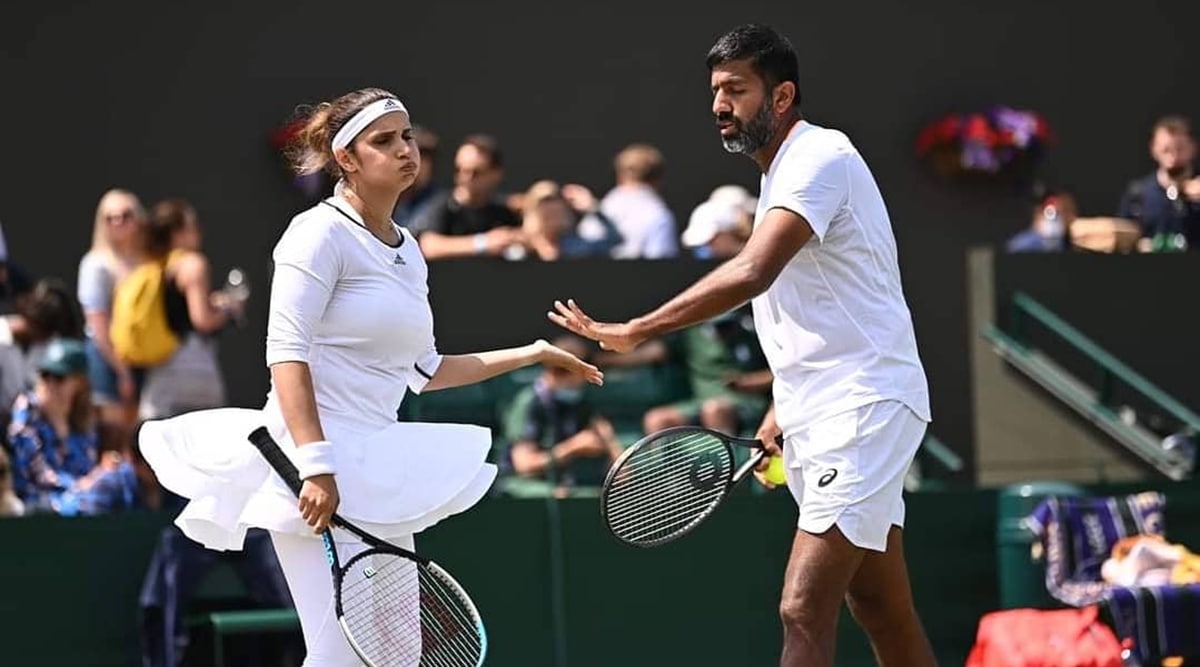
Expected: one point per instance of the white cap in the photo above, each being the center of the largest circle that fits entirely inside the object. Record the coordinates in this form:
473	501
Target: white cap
709	219
722	212
735	195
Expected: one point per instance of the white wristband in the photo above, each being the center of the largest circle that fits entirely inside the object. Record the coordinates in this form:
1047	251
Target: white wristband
314	458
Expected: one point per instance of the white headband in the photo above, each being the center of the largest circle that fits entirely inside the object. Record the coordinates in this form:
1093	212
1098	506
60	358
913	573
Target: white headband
362	119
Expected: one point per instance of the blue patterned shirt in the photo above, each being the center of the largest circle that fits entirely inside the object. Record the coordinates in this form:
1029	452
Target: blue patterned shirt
45	466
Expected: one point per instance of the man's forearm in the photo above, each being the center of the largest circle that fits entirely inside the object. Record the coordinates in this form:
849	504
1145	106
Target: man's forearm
725	288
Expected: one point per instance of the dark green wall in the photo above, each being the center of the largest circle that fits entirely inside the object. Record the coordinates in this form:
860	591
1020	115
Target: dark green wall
69	586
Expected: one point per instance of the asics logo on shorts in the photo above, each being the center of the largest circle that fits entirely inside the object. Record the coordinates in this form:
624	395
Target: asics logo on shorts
827	478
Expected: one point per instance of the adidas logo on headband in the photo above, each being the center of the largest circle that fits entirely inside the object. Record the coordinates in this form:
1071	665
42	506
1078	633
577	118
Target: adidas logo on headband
359	121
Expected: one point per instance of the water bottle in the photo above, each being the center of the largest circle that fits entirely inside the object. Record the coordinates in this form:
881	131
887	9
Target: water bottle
237	289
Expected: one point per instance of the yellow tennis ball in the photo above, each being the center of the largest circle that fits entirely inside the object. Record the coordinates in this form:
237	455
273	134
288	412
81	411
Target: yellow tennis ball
774	472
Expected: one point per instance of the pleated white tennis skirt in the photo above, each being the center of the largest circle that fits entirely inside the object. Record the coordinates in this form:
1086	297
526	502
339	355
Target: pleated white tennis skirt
394	482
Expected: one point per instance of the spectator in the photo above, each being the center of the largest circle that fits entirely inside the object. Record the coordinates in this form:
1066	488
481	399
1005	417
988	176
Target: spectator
720	226
14	282
564	222
191	378
470	220
635	205
1166	202
57	464
1053	215
424	190
50	311
116	249
557	441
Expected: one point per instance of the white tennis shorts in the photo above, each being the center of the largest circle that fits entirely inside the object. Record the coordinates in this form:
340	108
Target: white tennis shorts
849	470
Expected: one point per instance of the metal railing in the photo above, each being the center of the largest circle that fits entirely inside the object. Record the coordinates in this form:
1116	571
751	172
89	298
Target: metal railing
1096	403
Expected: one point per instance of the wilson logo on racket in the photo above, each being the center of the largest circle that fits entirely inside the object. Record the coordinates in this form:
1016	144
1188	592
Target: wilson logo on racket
369	572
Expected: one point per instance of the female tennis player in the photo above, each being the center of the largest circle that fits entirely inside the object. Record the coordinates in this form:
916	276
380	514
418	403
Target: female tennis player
349	329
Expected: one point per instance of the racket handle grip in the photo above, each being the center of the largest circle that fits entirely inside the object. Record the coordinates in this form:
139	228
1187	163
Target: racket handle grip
261	439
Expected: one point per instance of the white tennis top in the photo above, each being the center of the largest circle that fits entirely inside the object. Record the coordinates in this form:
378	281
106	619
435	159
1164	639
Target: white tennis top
356	310
834	325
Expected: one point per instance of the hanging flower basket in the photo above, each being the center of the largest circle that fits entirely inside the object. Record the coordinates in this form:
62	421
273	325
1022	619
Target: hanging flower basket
993	145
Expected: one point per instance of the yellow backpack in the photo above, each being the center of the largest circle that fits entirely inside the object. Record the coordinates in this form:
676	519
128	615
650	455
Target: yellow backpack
141	336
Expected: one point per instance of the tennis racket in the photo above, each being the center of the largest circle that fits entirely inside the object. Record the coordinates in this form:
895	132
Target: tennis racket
395	607
669	482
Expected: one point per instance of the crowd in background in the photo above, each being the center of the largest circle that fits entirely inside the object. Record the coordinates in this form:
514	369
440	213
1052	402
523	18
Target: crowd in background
1157	212
70	400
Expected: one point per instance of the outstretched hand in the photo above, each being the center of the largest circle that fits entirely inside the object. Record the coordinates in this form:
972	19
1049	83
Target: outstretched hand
612	336
551	355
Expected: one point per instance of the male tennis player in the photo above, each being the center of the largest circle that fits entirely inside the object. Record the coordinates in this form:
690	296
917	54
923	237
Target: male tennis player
850	393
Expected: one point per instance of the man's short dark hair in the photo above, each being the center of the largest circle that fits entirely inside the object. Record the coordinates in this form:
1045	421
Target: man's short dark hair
1174	125
770	54
486	144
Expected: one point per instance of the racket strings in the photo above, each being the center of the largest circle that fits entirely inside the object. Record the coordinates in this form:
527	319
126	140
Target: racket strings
674	496
644	476
449	627
667	487
399	614
651	467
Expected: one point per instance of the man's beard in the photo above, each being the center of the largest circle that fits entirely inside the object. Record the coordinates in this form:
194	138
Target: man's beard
752	135
1180	172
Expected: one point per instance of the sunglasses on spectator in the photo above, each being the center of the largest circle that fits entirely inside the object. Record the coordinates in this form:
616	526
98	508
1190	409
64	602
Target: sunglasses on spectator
123	216
52	377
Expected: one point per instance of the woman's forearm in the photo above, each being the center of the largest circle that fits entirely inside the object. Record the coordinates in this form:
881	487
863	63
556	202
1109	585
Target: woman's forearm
457	370
297	401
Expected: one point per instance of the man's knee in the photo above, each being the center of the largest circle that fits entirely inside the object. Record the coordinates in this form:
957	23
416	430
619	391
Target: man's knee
809	609
661	418
716	413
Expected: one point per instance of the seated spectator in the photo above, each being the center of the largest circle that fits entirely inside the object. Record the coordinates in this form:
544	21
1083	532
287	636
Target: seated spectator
470	220
57	464
729	379
10	504
720	226
565	222
557	442
15	283
48	311
1053	214
1166	202
636	206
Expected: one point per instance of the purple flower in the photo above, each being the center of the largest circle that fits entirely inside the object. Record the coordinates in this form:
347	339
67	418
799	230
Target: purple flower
1020	125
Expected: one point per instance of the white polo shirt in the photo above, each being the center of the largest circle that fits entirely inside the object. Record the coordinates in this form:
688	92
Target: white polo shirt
834	325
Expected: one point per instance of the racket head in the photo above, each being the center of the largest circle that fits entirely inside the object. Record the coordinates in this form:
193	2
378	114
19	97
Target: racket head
395	610
667	484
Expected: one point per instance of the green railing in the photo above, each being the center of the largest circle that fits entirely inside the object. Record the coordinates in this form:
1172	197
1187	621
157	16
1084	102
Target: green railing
1097	403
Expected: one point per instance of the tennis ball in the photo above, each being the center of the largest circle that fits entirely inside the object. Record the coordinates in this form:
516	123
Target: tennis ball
774	472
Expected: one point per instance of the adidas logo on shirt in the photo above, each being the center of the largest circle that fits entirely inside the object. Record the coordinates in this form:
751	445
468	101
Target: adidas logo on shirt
398	260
